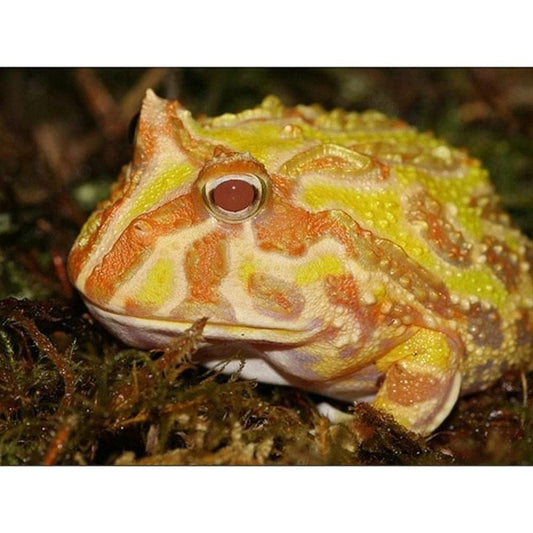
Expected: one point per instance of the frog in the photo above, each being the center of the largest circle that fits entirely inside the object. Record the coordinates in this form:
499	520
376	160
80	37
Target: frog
343	253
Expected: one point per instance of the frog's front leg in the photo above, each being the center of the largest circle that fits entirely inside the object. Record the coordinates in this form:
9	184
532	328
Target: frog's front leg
422	381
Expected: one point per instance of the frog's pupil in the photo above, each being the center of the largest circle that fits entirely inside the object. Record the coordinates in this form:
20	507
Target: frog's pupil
234	195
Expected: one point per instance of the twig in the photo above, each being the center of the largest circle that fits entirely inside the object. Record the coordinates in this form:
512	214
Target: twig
101	104
44	344
59	441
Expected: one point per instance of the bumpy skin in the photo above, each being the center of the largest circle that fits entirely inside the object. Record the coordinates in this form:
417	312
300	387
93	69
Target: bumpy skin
374	264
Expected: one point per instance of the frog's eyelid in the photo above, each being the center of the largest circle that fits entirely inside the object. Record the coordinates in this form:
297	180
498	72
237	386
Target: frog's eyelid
248	178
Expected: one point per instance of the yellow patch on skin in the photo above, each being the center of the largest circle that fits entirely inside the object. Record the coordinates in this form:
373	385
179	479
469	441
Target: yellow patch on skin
450	190
368	206
430	348
376	210
383	211
163	183
333	366
260	139
480	283
318	269
157	285
267	139
246	269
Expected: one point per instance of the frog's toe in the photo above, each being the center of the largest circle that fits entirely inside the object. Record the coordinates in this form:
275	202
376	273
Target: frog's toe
336	416
420	389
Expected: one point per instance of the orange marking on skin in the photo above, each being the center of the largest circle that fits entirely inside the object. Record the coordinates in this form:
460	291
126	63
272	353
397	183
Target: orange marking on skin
327	162
120	192
499	260
445	239
76	260
148	133
282	186
384	169
407	388
287	228
199	150
343	290
206	265
275	297
324	224
133	308
155	124
329	158
136	243
284	228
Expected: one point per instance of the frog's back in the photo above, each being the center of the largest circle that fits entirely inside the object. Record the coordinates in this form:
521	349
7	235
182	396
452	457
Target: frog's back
425	221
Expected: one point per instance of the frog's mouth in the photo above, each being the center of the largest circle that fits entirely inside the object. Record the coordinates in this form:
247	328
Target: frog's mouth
145	332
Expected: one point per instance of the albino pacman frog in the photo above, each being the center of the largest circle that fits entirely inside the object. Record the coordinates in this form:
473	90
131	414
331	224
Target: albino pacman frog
343	253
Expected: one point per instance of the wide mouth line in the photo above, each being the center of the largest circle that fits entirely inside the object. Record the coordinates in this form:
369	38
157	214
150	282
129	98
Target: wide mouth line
173	323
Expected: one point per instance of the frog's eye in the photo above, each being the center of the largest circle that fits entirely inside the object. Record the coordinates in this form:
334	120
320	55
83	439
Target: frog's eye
234	197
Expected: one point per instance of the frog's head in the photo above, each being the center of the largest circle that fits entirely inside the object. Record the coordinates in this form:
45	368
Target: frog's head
215	218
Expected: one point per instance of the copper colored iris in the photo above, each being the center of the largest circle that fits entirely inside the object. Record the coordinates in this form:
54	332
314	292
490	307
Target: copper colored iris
234	195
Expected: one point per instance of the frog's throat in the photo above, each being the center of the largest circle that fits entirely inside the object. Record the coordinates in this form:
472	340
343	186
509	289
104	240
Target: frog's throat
146	332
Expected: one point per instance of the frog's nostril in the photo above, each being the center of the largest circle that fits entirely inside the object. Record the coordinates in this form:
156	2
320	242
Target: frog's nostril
142	227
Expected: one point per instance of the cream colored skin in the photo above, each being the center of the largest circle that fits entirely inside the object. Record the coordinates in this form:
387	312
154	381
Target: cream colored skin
372	263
